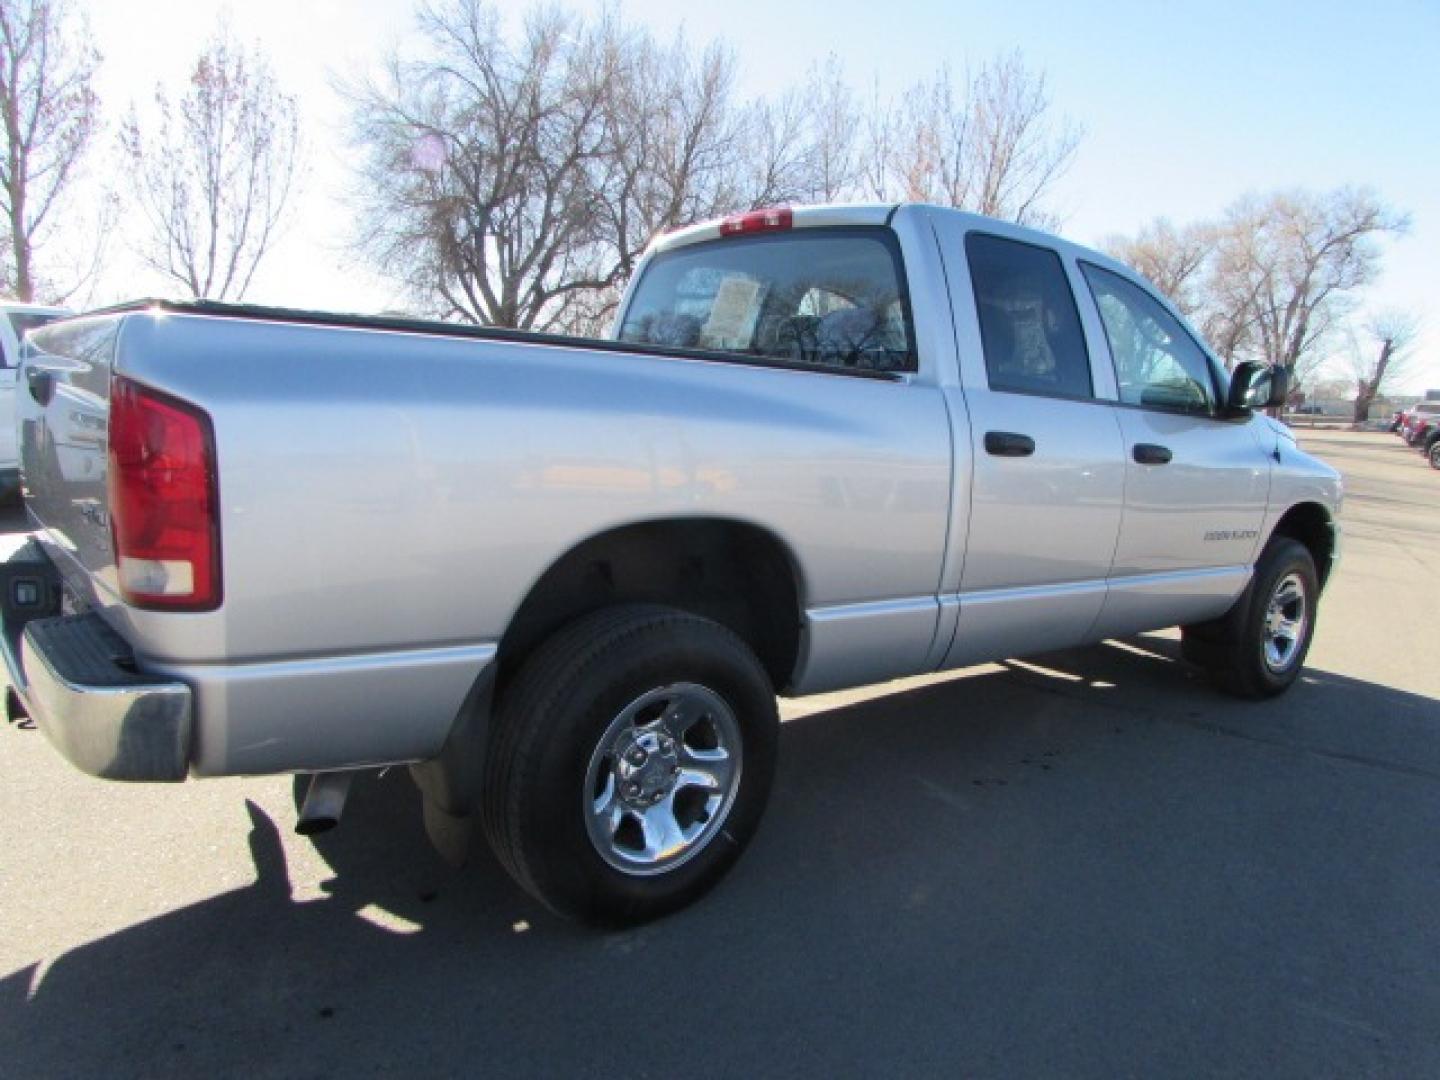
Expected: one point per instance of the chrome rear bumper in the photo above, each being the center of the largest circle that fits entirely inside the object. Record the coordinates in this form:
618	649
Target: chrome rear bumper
77	678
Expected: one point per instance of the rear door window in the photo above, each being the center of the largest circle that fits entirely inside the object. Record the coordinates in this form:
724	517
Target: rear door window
831	298
1029	324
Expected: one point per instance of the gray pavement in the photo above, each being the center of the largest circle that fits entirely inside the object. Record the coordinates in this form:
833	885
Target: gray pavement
1088	864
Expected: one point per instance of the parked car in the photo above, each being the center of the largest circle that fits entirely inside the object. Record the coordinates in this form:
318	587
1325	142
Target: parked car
1418	415
1402	419
15	320
1421	430
1430	445
565	578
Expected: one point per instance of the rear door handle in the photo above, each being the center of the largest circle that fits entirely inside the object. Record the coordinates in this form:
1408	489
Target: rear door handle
1008	444
1151	454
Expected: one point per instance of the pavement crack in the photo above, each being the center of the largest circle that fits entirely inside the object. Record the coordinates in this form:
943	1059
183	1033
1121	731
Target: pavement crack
1315	751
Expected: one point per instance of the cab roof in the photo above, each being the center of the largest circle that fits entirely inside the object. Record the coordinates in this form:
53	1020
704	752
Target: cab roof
832	215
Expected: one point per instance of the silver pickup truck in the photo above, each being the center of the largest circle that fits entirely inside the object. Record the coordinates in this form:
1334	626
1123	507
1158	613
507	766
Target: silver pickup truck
565	578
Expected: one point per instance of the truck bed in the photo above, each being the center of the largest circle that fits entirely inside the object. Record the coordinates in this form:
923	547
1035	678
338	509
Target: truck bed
390	491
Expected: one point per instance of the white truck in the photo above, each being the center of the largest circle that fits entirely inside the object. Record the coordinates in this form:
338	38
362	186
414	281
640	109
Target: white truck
15	320
564	579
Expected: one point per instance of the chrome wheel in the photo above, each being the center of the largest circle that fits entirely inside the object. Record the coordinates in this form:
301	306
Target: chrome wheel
662	779
1286	619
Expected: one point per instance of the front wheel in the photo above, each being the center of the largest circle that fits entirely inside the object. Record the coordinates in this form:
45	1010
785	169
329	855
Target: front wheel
1256	649
1435	454
629	763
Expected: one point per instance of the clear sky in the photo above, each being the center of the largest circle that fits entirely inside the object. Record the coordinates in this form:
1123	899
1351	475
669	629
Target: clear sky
1184	106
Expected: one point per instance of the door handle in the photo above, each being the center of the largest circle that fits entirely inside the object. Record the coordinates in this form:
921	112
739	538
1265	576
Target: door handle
1008	444
1151	454
42	384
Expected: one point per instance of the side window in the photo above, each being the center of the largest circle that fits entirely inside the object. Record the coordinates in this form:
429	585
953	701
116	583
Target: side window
1157	364
1028	320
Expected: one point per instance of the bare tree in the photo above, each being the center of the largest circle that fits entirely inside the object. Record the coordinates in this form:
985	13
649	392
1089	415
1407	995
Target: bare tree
776	158
1174	259
50	112
214	175
514	178
879	134
1288	264
482	158
1202	277
987	146
1391	334
673	139
1274	276
835	132
1231	292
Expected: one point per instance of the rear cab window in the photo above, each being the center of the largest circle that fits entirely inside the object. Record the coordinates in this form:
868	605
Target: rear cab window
829	298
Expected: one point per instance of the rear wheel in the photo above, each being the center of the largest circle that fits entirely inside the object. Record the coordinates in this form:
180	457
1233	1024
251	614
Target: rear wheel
1256	650
1435	454
630	762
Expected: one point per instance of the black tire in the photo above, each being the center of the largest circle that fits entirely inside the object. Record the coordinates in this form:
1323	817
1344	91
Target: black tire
1434	454
1233	648
547	732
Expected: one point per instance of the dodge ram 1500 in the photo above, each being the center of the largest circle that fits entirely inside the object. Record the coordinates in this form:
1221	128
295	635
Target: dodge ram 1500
564	579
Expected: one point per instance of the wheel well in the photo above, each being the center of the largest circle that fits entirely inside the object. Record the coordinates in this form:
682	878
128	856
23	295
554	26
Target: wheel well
1310	524
739	575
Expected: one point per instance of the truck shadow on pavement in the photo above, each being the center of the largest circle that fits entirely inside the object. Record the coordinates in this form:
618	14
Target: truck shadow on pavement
1088	863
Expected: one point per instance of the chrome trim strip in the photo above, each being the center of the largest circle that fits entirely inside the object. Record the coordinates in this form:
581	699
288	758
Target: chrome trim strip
1032	592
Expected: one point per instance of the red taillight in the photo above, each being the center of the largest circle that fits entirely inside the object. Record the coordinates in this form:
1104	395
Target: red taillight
164	514
774	220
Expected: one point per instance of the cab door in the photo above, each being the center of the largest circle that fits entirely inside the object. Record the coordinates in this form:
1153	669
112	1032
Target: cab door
1196	482
1047	466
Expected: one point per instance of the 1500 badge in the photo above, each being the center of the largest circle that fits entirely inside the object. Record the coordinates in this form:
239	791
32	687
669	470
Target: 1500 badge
1232	534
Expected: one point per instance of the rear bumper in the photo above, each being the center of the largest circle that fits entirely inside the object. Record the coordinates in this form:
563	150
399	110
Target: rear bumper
81	683
76	677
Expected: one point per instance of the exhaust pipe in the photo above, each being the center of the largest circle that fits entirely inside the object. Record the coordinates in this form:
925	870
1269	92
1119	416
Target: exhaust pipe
324	802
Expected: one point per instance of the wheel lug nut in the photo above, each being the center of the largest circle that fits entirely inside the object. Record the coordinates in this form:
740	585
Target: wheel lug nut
636	756
657	796
632	790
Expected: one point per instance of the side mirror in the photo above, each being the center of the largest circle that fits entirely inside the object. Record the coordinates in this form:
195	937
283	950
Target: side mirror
1257	386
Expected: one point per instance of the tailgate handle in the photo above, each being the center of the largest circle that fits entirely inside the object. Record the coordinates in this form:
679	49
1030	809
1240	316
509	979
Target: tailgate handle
1008	444
42	384
1150	454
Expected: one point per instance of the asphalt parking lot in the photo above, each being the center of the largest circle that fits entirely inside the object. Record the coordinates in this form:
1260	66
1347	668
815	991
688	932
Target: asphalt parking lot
1087	864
